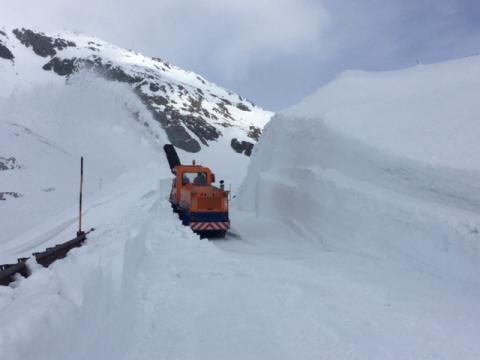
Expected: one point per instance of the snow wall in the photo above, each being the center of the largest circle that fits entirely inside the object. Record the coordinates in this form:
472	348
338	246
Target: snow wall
81	306
342	168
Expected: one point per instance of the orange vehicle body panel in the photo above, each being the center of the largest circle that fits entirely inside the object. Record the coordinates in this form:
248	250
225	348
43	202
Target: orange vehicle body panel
196	198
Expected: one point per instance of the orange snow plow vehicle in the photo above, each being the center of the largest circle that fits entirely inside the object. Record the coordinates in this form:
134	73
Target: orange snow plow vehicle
199	204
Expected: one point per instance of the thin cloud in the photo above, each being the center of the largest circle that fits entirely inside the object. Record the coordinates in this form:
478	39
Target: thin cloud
226	35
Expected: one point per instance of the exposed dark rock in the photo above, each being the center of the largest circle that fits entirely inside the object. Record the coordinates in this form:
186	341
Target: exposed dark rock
154	87
62	67
227	102
41	44
243	107
2	33
110	72
176	133
182	90
9	163
50	189
141	84
254	133
243	147
5	194
163	62
195	104
200	127
117	74
181	138
5	53
222	109
157	100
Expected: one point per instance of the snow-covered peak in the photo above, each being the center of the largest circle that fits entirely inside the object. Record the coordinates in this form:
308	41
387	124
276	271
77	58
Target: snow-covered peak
192	111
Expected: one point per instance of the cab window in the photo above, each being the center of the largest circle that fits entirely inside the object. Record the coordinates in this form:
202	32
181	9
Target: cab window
196	178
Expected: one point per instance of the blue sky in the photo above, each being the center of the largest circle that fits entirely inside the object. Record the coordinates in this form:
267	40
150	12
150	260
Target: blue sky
275	52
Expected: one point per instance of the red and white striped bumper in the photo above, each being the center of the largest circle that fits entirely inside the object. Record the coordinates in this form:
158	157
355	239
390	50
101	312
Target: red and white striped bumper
201	226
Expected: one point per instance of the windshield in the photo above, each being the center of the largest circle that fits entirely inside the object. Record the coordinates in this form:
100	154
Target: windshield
196	178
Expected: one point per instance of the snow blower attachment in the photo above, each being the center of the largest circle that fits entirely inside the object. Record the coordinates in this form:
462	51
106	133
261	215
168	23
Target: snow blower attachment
199	204
172	156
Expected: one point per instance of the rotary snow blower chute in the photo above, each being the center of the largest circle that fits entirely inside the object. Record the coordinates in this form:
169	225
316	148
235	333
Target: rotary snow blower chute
199	204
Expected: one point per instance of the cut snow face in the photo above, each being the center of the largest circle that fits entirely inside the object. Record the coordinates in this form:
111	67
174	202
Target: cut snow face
386	163
193	112
347	195
373	181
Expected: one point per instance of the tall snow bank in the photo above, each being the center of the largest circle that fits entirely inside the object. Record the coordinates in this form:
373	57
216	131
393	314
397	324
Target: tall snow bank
427	113
84	306
351	168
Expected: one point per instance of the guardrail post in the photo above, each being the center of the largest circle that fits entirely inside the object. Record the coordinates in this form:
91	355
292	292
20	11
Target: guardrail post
80	232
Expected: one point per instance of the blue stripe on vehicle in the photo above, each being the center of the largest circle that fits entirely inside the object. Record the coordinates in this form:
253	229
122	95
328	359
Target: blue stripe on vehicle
209	216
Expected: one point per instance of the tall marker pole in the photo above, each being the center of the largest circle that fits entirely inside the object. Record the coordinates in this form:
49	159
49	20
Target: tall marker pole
80	232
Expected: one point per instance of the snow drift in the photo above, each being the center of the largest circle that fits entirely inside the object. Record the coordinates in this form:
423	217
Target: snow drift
375	178
383	162
350	196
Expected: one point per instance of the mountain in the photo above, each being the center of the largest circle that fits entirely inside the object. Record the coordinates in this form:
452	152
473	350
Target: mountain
68	95
192	111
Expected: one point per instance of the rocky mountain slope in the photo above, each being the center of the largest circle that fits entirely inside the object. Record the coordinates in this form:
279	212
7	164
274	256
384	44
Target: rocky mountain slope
192	111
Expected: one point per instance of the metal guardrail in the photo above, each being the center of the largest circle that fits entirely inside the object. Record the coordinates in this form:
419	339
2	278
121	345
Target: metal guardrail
44	258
